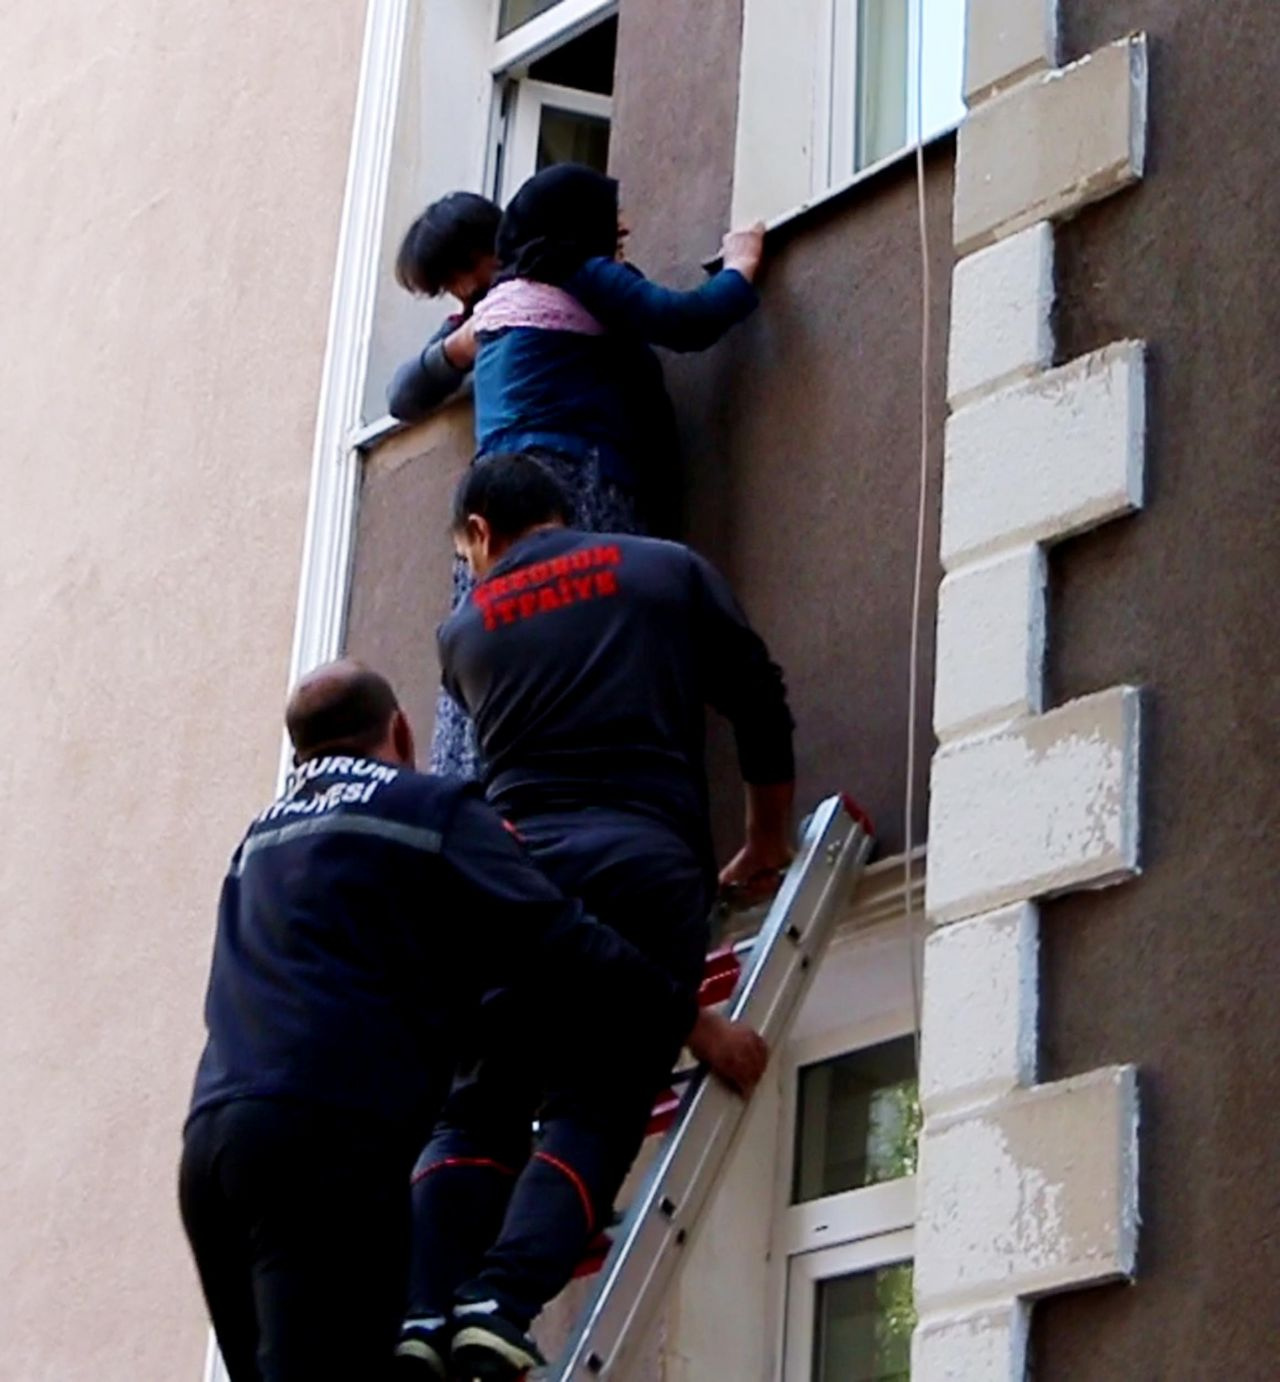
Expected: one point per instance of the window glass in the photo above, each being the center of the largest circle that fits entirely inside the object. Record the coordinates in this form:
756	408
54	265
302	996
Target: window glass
569	136
884	28
516	12
862	1326
858	1119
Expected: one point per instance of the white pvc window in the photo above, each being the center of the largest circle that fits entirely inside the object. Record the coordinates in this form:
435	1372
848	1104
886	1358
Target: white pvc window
846	1230
849	1313
881	78
830	88
554	76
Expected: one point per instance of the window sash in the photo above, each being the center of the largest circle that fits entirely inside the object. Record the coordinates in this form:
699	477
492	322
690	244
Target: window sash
806	1271
530	98
854	1214
839	126
545	31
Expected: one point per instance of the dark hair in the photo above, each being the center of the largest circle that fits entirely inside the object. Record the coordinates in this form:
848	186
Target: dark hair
513	493
447	239
345	706
560	218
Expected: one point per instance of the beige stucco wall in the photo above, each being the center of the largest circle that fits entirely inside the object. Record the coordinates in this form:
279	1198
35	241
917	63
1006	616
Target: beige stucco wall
171	181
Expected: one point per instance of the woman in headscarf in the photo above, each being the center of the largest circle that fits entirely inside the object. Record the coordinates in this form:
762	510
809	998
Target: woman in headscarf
565	371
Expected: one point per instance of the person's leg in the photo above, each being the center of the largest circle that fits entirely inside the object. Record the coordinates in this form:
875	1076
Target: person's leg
324	1198
593	1123
599	505
565	1194
464	1176
454	749
220	1244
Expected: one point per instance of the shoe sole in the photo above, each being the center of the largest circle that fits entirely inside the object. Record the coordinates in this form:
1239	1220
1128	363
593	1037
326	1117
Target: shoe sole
482	1356
414	1352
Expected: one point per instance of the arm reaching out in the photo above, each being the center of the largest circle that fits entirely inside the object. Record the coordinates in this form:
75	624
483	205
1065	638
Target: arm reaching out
433	375
743	683
622	299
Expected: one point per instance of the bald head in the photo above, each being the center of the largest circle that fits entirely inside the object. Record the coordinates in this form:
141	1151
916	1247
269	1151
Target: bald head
345	707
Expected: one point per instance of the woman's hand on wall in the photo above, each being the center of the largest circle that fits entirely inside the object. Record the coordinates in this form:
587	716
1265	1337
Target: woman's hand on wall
743	250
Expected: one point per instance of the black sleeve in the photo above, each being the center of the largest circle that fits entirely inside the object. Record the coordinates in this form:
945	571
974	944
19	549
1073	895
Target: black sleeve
741	681
525	929
423	383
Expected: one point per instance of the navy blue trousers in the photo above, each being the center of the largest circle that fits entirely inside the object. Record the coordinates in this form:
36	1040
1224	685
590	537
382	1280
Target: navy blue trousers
498	1214
299	1221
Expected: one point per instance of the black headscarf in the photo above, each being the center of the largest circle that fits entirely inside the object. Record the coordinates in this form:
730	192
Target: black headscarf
560	218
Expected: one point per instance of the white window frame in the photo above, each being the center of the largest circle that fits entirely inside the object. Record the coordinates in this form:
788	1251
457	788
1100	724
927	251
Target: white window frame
855	1230
810	1270
798	98
837	134
539	35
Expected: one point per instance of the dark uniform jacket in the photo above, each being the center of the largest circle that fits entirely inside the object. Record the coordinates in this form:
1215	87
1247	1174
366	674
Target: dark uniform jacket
363	917
587	662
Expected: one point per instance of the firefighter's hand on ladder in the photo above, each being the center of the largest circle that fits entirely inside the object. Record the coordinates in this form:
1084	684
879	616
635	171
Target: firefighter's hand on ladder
734	1052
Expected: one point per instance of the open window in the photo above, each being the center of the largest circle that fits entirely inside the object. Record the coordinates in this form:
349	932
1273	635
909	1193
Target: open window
557	106
488	93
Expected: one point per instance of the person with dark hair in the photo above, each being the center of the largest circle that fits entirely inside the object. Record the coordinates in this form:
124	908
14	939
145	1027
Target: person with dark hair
565	370
448	249
587	661
363	917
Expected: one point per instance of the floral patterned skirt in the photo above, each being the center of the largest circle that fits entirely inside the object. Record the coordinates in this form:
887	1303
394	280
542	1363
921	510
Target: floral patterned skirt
599	506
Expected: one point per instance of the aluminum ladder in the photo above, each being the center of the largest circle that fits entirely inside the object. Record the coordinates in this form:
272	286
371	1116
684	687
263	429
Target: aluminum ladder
645	1256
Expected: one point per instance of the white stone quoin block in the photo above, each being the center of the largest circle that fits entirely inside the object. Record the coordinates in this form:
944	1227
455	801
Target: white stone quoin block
1001	309
972	1346
981	988
990	645
1046	805
1050	147
1046	458
1035	1194
1006	39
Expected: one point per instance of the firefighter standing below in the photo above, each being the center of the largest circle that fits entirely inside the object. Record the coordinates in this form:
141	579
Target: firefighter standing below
363	916
586	661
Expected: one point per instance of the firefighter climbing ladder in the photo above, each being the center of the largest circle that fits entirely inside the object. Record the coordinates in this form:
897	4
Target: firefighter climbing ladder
646	1255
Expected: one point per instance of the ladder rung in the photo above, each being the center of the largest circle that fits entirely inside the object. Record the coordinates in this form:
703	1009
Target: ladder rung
720	977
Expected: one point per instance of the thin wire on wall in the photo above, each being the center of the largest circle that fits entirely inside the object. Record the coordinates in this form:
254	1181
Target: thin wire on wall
915	929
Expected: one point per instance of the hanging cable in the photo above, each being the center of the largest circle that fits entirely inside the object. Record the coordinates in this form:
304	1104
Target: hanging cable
915	929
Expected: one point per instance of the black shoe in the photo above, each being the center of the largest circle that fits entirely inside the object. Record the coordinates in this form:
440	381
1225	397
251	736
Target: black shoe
489	1348
423	1350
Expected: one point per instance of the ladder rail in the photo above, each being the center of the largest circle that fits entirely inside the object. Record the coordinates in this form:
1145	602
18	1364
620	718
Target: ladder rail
643	1261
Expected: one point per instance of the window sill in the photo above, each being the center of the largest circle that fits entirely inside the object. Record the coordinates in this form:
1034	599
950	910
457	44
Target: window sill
787	223
370	435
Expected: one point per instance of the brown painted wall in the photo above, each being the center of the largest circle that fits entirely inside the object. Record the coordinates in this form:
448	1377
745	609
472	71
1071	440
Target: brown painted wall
801	430
803	484
1177	972
403	557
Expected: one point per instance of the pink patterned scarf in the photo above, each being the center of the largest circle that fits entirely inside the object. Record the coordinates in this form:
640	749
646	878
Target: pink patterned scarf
526	302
